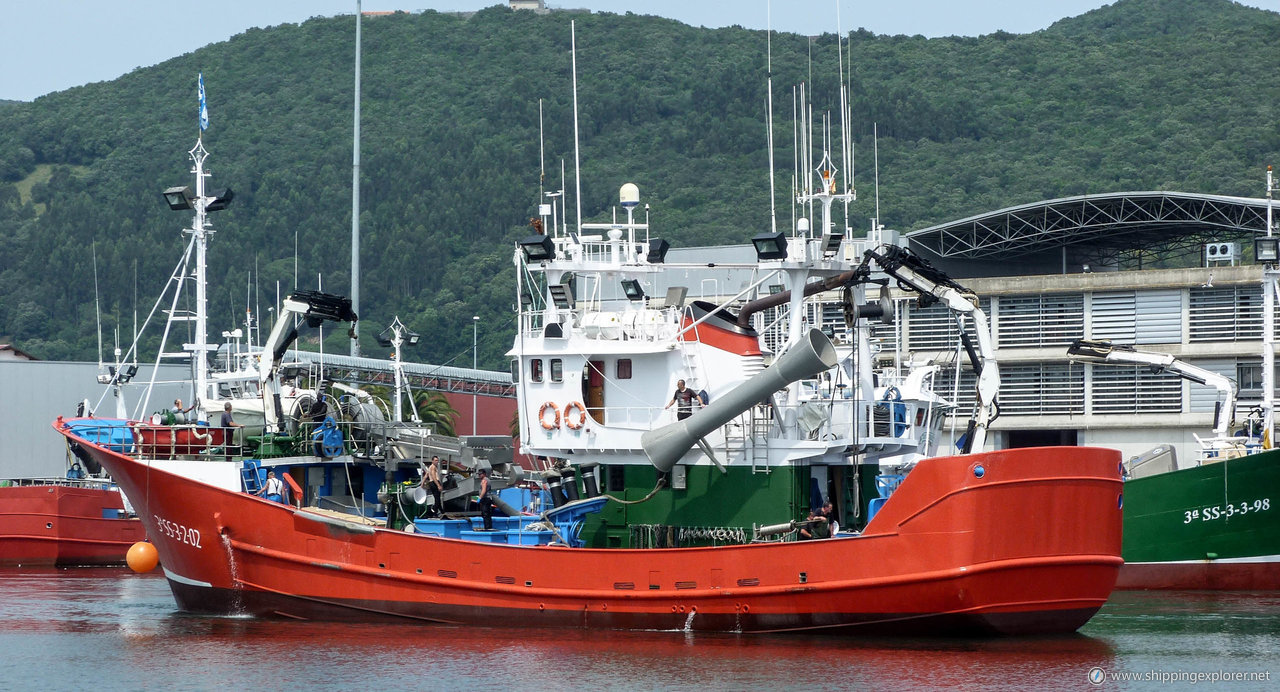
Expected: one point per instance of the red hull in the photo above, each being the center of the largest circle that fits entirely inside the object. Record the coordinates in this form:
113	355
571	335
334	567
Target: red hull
1208	575
55	525
1032	546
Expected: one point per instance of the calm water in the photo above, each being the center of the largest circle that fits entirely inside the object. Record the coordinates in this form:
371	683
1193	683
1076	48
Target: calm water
111	629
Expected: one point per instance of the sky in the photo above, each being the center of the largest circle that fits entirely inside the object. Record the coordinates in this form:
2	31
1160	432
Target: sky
51	45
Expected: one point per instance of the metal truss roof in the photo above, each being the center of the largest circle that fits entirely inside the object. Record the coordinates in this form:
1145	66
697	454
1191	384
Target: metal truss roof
1105	226
441	378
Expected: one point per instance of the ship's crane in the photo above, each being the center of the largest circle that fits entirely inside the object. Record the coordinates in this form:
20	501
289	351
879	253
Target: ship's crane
1106	352
917	275
311	307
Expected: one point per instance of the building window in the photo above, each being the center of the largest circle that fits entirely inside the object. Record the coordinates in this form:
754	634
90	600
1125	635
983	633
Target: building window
624	368
1249	381
1042	389
1040	321
1134	389
934	328
535	370
557	370
1225	314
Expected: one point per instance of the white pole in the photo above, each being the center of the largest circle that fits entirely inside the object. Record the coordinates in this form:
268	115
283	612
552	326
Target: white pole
202	238
1268	334
875	149
475	326
577	164
773	210
397	339
355	200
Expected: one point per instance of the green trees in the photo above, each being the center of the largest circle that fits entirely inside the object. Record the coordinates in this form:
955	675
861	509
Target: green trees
1141	94
436	411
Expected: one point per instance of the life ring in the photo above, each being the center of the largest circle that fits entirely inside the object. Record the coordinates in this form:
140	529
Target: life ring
581	417
555	416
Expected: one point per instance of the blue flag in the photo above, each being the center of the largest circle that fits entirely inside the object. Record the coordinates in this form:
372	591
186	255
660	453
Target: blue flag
204	107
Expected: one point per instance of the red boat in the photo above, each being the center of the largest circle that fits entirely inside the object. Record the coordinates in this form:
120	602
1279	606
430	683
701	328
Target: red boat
64	524
939	557
1007	542
169	441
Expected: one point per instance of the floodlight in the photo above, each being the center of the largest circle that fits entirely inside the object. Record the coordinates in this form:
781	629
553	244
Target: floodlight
770	246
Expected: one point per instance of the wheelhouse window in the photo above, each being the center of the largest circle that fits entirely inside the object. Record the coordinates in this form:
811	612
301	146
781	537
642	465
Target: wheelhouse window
624	368
557	370
535	370
515	370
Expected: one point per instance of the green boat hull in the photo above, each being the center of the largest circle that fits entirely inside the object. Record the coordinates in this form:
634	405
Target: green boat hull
1214	527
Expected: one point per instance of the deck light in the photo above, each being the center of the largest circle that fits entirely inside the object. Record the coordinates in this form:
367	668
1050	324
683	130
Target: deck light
633	289
657	251
179	198
220	201
770	246
538	248
387	337
831	243
1266	249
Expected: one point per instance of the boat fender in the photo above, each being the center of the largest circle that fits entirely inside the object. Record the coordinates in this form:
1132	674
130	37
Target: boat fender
555	416
575	422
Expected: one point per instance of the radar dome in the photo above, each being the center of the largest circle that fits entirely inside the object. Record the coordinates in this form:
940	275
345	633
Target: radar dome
629	195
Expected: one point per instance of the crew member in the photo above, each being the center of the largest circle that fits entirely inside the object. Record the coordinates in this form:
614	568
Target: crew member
432	481
685	399
180	413
228	425
274	488
486	500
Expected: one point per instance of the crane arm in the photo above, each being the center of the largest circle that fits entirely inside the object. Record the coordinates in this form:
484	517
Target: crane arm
311	308
1106	352
915	274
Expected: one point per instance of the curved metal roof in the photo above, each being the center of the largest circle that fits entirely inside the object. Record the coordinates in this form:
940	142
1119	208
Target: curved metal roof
1107	225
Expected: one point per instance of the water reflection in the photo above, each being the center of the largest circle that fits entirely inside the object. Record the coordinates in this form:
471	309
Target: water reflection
126	628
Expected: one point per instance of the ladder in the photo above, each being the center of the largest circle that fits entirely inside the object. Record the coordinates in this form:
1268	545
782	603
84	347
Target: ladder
249	477
693	378
759	425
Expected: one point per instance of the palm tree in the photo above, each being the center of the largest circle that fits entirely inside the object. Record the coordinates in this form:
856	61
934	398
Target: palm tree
435	410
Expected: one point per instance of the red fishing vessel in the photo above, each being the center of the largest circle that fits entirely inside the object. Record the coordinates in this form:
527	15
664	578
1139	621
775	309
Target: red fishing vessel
65	523
988	543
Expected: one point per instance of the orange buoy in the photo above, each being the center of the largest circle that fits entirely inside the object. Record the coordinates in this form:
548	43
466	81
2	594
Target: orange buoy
577	421
555	416
142	557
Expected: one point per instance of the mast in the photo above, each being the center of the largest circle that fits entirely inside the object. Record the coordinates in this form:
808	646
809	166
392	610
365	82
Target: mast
577	161
97	308
773	210
1268	333
355	201
201	231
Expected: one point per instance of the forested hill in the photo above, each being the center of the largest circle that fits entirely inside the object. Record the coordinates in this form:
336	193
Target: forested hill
1138	95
